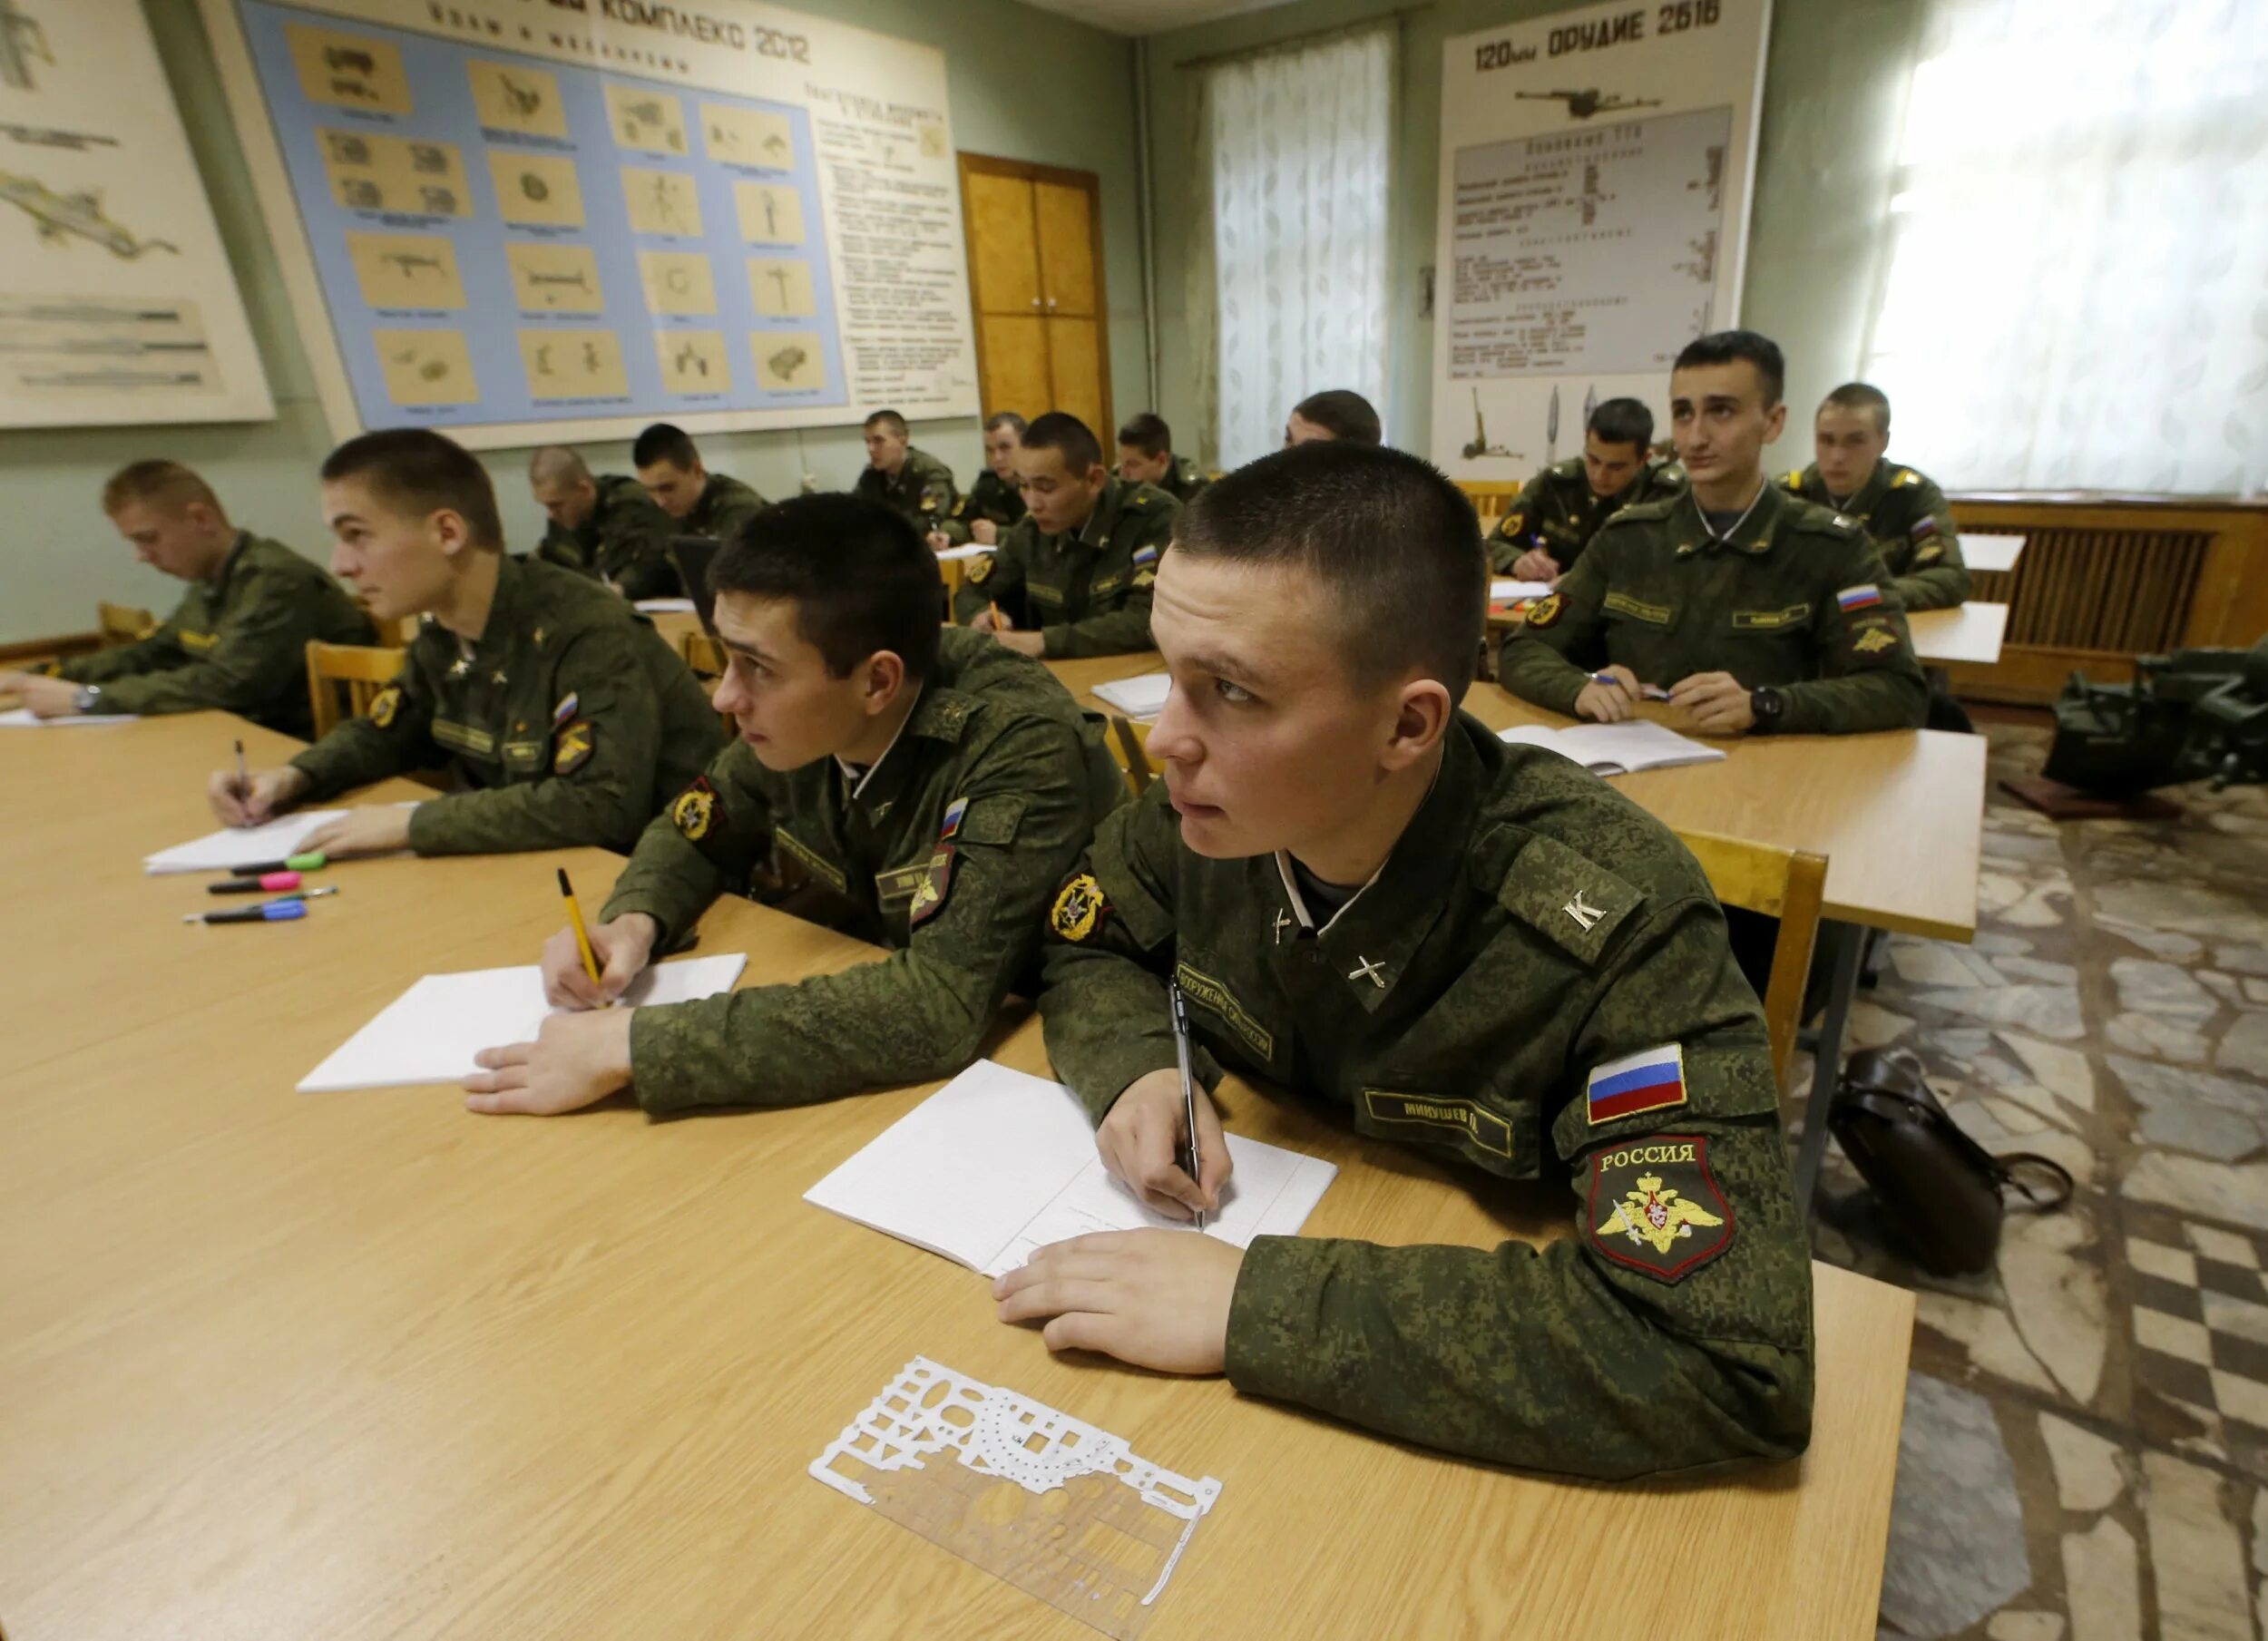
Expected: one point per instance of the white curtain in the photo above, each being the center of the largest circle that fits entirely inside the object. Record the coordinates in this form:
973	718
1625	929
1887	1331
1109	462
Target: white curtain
2077	291
1288	289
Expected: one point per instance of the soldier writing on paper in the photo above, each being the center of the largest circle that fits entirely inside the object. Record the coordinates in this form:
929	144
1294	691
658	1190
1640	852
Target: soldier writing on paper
993	502
909	482
603	525
1557	513
700	502
1475	950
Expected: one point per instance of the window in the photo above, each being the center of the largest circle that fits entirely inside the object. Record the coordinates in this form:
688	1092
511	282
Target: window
2077	291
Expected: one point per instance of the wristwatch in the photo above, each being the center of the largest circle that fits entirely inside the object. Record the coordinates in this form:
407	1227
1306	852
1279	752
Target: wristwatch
84	699
1768	706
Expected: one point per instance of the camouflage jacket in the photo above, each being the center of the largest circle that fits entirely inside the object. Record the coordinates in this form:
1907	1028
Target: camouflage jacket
1183	480
1906	516
567	724
1088	593
725	505
237	643
625	541
921	490
990	497
1558	511
1537	985
951	846
1793	598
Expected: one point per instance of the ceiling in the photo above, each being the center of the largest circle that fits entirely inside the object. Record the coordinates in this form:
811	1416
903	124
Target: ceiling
1150	17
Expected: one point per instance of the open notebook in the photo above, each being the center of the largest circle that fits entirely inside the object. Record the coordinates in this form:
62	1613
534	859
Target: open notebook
1615	748
996	1165
431	1031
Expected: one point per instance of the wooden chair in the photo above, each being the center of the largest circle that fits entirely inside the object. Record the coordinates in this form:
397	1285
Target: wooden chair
1790	885
1489	499
703	655
122	624
953	573
363	669
1130	750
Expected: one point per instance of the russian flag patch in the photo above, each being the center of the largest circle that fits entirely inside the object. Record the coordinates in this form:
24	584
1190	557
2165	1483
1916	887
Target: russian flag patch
1859	598
1648	1080
1146	555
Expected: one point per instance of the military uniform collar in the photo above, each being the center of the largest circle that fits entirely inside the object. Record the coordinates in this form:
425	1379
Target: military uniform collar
940	714
1859	505
1370	940
503	609
227	564
1753	535
861	781
1096	530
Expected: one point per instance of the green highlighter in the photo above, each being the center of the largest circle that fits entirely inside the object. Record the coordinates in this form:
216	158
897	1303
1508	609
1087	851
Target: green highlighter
314	862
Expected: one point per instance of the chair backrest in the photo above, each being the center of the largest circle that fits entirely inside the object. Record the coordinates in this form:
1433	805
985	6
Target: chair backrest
1790	885
703	655
358	672
121	623
1489	499
1130	750
954	572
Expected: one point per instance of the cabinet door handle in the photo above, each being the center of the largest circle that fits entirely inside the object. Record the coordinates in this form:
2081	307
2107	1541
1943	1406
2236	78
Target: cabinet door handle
1035	302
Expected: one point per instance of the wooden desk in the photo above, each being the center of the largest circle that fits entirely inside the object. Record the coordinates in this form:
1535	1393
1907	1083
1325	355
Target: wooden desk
1993	554
362	1365
1969	633
674	625
1080	676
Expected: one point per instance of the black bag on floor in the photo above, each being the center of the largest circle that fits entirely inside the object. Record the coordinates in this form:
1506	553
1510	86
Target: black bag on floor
1937	1190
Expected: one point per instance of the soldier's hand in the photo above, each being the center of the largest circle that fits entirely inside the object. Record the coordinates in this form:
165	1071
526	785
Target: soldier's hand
366	829
1024	643
1716	702
254	802
575	1061
1141	1139
49	696
938	541
990	618
1535	565
1159	1299
1609	702
985	532
621	947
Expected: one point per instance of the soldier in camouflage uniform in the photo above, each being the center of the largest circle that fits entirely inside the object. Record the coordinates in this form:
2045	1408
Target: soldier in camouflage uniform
909	483
605	526
561	716
1145	457
236	643
1752	609
1477	951
1557	512
701	503
939	782
1078	569
1902	511
993	502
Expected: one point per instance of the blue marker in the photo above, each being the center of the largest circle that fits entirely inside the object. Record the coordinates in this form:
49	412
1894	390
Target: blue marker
266	912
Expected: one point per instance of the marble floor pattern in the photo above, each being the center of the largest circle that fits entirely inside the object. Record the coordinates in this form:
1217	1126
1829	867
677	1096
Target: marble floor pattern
2086	1445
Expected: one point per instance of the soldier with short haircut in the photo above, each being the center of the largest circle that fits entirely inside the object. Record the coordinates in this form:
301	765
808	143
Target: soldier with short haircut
993	502
561	715
1477	951
604	525
237	642
1337	413
909	483
1755	610
1902	510
939	782
1079	566
1557	512
699	502
1145	457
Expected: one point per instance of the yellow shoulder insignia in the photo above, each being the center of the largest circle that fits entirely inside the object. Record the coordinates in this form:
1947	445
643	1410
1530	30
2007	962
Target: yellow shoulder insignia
384	705
1794	479
979	568
1906	476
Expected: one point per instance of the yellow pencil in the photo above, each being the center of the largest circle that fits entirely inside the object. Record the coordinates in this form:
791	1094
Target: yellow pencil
994	605
583	935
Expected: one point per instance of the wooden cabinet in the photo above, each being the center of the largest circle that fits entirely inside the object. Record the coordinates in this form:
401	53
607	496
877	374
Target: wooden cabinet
1035	281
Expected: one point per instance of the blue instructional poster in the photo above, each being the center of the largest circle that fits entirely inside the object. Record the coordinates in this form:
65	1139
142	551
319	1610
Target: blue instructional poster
507	239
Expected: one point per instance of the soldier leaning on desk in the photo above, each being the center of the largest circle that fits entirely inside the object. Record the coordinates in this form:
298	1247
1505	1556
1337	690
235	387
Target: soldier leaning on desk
1901	510
1078	569
1557	513
1756	610
602	525
236	643
993	502
698	501
560	712
909	483
1477	951
941	783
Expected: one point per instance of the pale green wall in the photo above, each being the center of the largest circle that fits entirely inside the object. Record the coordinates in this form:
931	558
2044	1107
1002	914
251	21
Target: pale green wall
1024	84
1832	90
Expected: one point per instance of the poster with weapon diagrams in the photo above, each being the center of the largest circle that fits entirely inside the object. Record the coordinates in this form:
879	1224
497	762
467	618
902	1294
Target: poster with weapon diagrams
117	304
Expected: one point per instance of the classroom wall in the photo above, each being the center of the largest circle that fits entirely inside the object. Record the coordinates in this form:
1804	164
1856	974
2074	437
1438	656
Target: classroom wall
62	555
1832	104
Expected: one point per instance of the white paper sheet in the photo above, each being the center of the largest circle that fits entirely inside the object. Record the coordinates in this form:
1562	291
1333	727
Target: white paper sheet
431	1031
23	718
1504	592
1143	697
953	556
233	846
997	1164
1617	748
664	606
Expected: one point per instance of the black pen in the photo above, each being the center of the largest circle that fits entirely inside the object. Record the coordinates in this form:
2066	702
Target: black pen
1189	1081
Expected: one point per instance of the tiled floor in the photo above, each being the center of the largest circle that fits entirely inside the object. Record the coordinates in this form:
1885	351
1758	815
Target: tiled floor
2086	1452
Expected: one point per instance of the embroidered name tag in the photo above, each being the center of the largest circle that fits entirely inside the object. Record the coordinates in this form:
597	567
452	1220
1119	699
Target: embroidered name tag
464	737
1622	603
1207	992
899	885
817	865
1484	1129
1770	621
199	641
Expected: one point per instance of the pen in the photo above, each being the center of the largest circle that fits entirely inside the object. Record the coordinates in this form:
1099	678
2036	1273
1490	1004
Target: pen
266	912
244	776
583	935
261	884
994	605
1188	1082
1650	692
314	861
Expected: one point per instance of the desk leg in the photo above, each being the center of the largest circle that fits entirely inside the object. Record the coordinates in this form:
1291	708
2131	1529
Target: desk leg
1846	946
